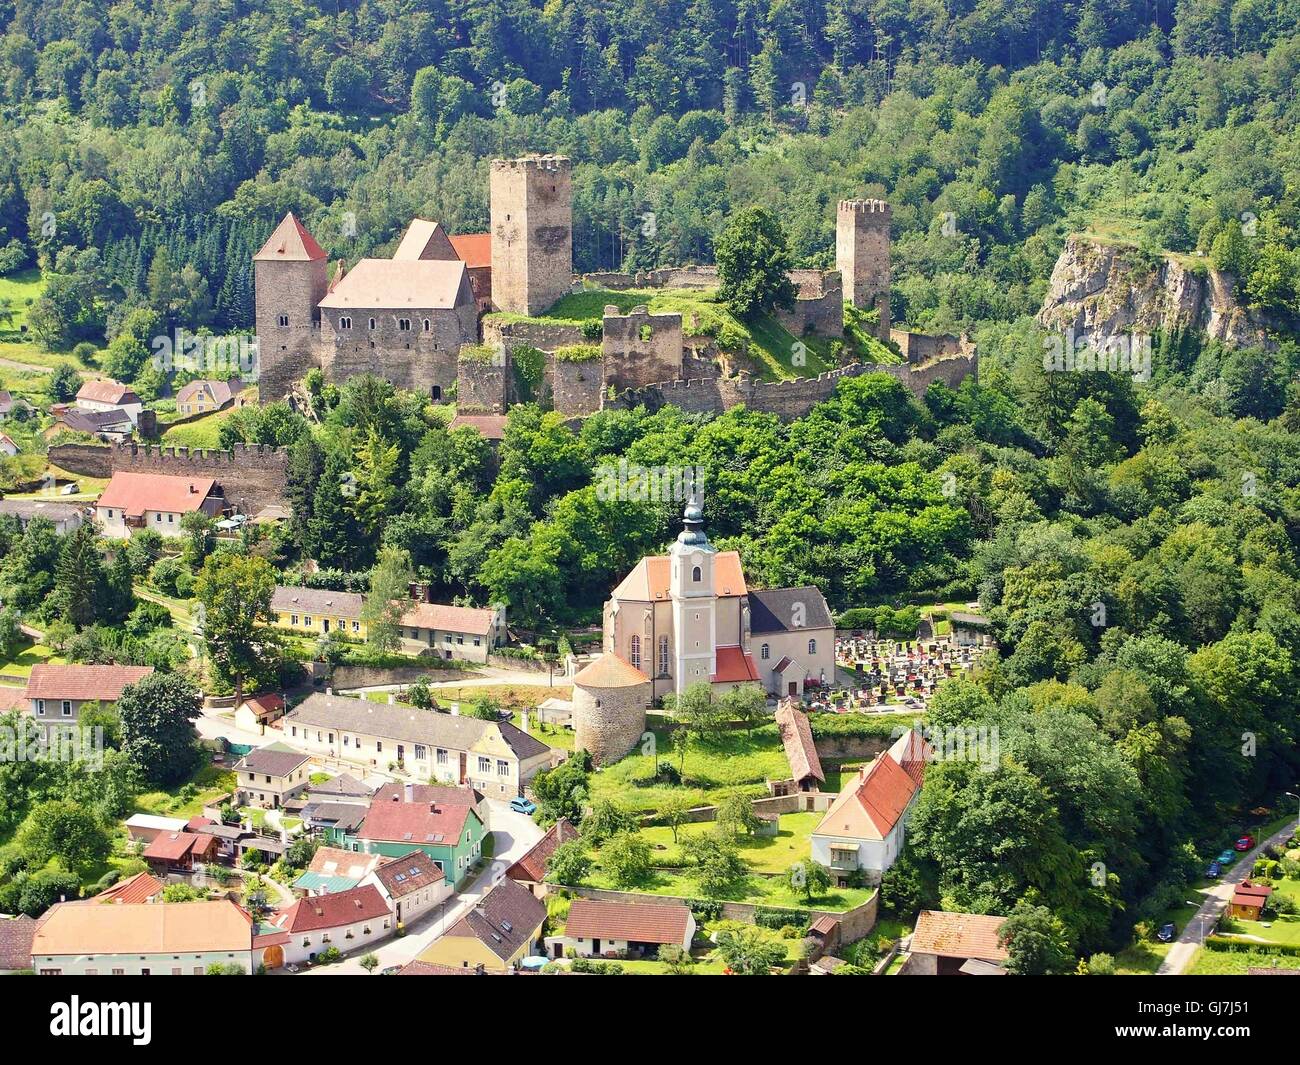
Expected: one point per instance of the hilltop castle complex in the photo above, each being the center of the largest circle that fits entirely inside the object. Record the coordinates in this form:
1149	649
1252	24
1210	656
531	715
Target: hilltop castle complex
421	318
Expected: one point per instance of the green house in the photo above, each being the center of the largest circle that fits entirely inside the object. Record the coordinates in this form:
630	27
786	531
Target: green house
449	833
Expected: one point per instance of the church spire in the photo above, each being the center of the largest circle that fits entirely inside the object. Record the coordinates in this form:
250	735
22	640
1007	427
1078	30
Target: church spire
692	534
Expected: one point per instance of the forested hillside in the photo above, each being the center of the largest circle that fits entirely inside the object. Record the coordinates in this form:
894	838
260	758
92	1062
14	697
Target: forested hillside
993	127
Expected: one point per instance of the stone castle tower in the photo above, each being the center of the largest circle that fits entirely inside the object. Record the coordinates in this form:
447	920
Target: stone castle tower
532	232
862	256
289	276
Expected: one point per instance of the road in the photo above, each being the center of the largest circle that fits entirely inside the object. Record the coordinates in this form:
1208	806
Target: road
1181	953
513	836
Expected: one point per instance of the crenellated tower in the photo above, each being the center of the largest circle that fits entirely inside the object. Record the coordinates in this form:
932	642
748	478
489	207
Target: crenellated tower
532	232
862	256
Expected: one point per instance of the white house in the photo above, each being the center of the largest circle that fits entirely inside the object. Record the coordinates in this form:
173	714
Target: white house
110	396
596	929
134	501
862	833
66	517
345	919
412	885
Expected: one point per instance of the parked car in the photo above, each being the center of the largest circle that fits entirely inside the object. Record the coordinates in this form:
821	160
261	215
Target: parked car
1166	933
390	970
1247	842
520	805
1214	871
1227	857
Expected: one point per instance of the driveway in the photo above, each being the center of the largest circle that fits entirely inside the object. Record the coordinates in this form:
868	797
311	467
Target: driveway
513	835
1181	953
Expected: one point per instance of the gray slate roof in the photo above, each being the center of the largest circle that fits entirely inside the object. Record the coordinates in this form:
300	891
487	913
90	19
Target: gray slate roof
409	724
773	609
290	599
276	760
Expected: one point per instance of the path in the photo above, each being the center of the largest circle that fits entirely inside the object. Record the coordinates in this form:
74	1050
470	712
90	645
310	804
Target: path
1181	953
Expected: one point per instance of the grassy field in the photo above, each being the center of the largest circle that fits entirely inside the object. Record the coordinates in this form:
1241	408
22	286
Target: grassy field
18	291
1236	962
735	761
207	785
771	345
202	432
770	854
28	655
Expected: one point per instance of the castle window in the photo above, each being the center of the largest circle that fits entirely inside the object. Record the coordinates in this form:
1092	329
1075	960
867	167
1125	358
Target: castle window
812	647
696	575
426	325
345	323
436	392
636	651
284	320
663	655
765	652
645	332
404	324
372	323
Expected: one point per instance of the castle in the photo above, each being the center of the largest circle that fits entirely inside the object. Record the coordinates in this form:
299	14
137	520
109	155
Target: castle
689	617
415	319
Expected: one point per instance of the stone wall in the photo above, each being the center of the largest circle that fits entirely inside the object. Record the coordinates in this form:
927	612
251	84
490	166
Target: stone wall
920	347
609	722
482	385
545	336
252	476
819	304
862	255
577	388
287	291
640	348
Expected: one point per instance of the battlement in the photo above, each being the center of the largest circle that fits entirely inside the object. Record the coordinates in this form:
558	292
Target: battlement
548	163
238	455
871	211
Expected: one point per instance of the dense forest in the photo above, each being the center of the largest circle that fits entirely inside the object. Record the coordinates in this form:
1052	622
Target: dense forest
993	127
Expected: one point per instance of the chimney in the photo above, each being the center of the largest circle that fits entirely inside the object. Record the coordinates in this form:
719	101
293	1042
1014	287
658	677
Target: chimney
409	790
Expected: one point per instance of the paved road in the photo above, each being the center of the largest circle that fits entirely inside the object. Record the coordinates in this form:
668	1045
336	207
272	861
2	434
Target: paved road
513	836
1181	953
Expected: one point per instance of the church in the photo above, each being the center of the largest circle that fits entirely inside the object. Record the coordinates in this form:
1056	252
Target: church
689	616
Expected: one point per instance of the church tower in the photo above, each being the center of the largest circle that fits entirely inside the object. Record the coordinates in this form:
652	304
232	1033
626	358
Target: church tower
694	602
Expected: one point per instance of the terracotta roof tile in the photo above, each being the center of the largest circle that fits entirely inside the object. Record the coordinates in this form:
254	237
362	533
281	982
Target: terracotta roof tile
610	671
649	579
797	739
474	249
104	683
290	243
174	928
104	390
409	873
135	493
531	868
734	666
389	284
958	935
131	891
416	823
635	923
476	621
363	903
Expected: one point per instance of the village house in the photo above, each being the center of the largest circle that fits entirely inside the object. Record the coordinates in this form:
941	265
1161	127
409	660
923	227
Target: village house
133	891
451	834
7	445
177	939
460	632
145	828
65	517
412	884
317	610
345	920
111	426
530	870
595	929
157	501
497	934
258	711
200	397
862	833
269	775
179	852
332	870
56	694
109	397
956	944
494	757
800	750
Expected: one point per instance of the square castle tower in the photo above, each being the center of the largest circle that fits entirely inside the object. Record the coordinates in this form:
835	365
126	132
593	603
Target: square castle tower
532	232
862	256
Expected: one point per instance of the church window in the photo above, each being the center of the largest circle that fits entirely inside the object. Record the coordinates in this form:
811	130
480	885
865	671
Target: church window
697	575
404	324
663	655
647	623
345	322
284	320
636	651
765	653
812	647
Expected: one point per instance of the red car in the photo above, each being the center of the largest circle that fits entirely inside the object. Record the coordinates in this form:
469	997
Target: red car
1245	843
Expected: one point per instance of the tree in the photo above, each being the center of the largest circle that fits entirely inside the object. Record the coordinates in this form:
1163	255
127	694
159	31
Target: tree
389	593
736	814
697	710
1035	941
64	383
676	959
673	810
606	819
808	879
753	263
749	950
63	830
717	867
79	578
157	714
370	963
235	593
199	538
746	704
569	863
626	858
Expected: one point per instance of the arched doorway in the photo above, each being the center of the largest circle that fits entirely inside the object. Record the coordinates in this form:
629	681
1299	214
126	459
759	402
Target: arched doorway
273	957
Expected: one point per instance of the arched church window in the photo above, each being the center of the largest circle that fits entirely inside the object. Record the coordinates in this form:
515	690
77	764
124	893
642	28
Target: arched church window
663	655
812	647
765	652
697	575
636	651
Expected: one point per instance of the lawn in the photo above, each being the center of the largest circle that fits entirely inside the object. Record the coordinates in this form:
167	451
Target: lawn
1236	962
737	760
28	655
17	290
88	488
764	854
202	432
207	785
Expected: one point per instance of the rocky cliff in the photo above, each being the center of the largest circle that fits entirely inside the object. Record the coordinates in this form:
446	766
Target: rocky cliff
1104	290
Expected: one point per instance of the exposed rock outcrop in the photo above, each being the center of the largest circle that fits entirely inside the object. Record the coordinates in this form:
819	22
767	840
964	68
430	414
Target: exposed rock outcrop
1103	290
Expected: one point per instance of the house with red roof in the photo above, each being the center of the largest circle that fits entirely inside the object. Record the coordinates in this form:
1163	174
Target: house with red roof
862	833
157	501
1248	900
530	870
450	834
56	693
412	885
467	633
956	944
346	920
179	852
596	929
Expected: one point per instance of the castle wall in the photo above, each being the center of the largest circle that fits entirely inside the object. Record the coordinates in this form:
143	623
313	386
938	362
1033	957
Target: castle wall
545	336
819	305
918	347
253	476
532	232
577	388
482	386
612	729
640	348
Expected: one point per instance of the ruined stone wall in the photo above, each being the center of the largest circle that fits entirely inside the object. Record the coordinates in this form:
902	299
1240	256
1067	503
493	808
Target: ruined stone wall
252	476
640	348
545	336
819	305
576	388
483	385
918	347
